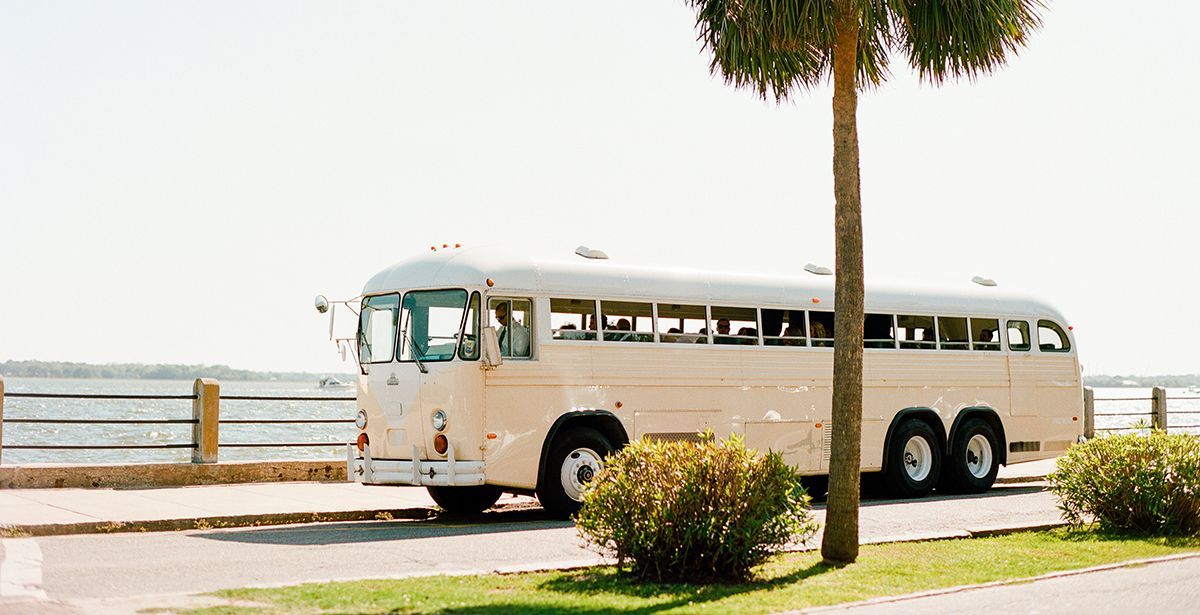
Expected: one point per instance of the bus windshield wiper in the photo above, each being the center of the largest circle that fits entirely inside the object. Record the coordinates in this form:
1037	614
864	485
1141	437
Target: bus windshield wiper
417	349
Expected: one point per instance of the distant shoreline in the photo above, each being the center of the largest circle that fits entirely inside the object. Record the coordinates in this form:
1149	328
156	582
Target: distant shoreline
160	371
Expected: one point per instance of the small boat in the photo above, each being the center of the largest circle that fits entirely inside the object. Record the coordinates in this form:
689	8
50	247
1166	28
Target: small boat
329	382
1193	390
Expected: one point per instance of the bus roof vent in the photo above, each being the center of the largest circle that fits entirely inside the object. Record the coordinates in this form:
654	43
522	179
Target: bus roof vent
591	253
982	281
818	270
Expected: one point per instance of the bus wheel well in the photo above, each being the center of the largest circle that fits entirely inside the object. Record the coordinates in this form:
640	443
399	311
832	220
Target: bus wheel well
925	415
602	421
993	419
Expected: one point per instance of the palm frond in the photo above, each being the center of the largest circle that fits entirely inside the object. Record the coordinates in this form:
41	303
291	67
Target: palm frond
773	47
963	38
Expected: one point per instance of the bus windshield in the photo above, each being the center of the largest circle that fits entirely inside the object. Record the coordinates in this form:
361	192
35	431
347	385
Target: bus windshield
377	328
432	320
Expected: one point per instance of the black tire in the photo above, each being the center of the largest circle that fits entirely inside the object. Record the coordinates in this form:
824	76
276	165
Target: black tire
905	475
465	500
552	492
970	468
816	486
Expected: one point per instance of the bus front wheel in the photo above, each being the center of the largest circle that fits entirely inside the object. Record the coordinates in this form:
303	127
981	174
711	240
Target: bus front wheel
575	458
465	500
973	461
914	461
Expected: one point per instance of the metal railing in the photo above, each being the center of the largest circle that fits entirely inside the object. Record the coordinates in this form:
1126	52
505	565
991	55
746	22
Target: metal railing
206	401
1158	414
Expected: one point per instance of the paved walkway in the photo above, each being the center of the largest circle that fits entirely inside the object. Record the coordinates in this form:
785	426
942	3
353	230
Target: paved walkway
1164	586
73	511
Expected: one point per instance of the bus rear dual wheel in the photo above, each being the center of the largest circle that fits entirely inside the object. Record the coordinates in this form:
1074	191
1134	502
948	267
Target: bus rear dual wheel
915	463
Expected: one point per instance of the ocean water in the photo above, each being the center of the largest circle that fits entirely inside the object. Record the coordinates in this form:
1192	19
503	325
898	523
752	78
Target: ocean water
33	433
1131	400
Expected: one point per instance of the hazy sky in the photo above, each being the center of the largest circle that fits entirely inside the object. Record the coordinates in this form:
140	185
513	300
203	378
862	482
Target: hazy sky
178	179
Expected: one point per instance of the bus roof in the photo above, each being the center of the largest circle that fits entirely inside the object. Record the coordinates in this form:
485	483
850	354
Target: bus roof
572	276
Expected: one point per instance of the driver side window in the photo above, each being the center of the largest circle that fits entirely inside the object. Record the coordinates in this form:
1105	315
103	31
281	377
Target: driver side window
512	319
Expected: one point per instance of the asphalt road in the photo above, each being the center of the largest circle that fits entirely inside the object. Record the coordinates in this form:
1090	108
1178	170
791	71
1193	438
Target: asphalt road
87	569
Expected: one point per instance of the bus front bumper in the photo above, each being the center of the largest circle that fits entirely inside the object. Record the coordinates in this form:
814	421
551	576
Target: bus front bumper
436	473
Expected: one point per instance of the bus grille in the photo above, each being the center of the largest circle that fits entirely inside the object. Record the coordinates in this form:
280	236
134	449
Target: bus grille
675	436
826	443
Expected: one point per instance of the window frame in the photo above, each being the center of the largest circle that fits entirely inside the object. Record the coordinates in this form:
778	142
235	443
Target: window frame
529	326
594	314
396	333
999	344
1062	334
1028	347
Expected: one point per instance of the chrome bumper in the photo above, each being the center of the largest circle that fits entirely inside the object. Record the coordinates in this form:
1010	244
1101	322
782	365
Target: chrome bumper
415	471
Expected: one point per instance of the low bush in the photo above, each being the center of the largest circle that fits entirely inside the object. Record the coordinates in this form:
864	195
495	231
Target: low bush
694	512
1132	483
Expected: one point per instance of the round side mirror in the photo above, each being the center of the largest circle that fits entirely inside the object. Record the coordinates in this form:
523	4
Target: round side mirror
321	303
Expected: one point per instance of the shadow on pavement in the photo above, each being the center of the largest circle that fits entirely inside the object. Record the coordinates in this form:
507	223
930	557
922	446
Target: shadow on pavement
490	522
873	496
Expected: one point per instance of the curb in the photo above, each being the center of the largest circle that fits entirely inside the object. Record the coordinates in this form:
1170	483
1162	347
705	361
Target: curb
208	523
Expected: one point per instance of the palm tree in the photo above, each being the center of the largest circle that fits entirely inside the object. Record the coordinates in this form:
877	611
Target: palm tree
778	47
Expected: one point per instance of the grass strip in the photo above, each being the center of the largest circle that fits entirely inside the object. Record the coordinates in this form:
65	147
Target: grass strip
790	581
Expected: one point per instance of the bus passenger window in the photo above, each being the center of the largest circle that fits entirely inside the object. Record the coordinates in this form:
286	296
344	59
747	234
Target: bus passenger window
1018	335
682	324
916	332
877	331
625	321
512	326
1051	337
783	327
953	333
820	328
573	319
468	348
985	334
735	325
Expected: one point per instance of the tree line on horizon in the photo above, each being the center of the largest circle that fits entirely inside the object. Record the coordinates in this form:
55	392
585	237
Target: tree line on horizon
155	371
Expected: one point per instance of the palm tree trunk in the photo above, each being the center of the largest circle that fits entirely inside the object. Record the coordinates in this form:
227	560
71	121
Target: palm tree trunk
839	545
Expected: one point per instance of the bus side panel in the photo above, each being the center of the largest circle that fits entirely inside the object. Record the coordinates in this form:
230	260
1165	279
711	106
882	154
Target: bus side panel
1049	388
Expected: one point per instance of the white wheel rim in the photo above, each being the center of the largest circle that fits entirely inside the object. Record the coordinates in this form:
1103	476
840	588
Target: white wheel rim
979	456
578	469
918	458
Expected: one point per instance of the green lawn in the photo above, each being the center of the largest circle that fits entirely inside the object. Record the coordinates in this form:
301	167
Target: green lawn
789	581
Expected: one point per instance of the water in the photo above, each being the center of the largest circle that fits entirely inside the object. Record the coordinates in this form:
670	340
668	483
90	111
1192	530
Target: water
32	433
24	433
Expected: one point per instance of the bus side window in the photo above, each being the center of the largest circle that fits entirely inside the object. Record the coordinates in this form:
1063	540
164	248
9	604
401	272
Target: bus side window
573	319
735	325
820	328
783	327
682	324
953	332
985	334
512	319
878	331
916	332
1018	335
625	321
1051	337
468	349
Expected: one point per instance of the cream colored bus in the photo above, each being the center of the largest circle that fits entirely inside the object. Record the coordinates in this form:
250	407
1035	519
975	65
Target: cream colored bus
486	372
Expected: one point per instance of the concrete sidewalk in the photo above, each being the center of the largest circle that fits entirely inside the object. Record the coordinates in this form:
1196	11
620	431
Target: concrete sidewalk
44	512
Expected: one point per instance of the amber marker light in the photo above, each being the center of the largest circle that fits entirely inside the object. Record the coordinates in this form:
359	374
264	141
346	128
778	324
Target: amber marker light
491	282
458	245
618	405
818	425
440	444
492	435
363	441
816	300
433	248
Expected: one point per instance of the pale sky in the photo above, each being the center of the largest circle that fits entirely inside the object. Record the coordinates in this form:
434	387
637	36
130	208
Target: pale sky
179	179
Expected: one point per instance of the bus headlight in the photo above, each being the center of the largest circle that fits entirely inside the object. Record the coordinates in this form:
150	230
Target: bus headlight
360	420
439	420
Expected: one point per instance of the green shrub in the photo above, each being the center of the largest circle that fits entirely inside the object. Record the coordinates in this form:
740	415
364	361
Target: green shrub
1132	483
694	512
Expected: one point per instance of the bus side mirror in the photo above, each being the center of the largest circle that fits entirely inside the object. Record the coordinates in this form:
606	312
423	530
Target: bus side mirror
491	348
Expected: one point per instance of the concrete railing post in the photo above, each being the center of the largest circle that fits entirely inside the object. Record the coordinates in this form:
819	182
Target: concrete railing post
1	419
1089	413
1158	408
206	409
